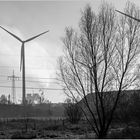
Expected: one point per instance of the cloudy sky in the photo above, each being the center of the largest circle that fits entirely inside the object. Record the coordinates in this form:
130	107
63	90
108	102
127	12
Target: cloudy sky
28	18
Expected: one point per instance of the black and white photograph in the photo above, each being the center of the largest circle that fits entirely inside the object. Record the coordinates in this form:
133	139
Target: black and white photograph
69	69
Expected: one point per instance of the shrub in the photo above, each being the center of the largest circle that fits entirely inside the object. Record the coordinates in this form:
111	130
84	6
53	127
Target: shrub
73	112
20	135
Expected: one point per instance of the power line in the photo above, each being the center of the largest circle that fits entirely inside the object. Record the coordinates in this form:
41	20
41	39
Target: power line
33	88
34	77
40	82
17	67
31	82
28	55
42	78
3	75
4	81
34	81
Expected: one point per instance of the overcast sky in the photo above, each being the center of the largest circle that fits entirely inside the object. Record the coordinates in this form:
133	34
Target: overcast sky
28	18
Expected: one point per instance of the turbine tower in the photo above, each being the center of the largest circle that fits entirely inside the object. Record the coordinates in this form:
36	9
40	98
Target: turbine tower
22	60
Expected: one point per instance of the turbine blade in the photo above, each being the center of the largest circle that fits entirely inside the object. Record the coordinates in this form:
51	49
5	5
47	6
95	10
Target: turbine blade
21	56
11	34
35	36
128	15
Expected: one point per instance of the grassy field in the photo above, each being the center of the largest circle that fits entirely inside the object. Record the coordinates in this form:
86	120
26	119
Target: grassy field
18	122
37	128
29	128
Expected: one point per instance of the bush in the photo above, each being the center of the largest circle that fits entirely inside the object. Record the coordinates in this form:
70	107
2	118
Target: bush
20	135
73	113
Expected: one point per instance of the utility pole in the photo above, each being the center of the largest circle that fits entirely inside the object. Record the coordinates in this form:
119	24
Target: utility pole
13	78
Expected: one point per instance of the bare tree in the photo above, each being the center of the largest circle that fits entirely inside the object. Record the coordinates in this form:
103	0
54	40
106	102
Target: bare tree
100	59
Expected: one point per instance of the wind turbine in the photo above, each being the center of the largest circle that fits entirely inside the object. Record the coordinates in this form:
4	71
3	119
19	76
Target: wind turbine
22	60
128	15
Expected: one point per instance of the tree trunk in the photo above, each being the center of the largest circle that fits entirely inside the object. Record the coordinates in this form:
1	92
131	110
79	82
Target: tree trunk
102	134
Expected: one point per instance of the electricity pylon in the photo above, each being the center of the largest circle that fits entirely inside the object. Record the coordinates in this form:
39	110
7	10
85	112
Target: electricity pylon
13	78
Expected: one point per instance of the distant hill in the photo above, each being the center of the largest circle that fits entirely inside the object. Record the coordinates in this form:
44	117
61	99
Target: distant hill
111	96
90	96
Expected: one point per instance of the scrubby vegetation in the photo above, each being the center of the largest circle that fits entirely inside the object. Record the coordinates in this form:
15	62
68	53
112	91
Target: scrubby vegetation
38	110
125	124
72	112
43	129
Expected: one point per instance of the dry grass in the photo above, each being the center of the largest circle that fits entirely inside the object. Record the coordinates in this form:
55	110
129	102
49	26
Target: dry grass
31	128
